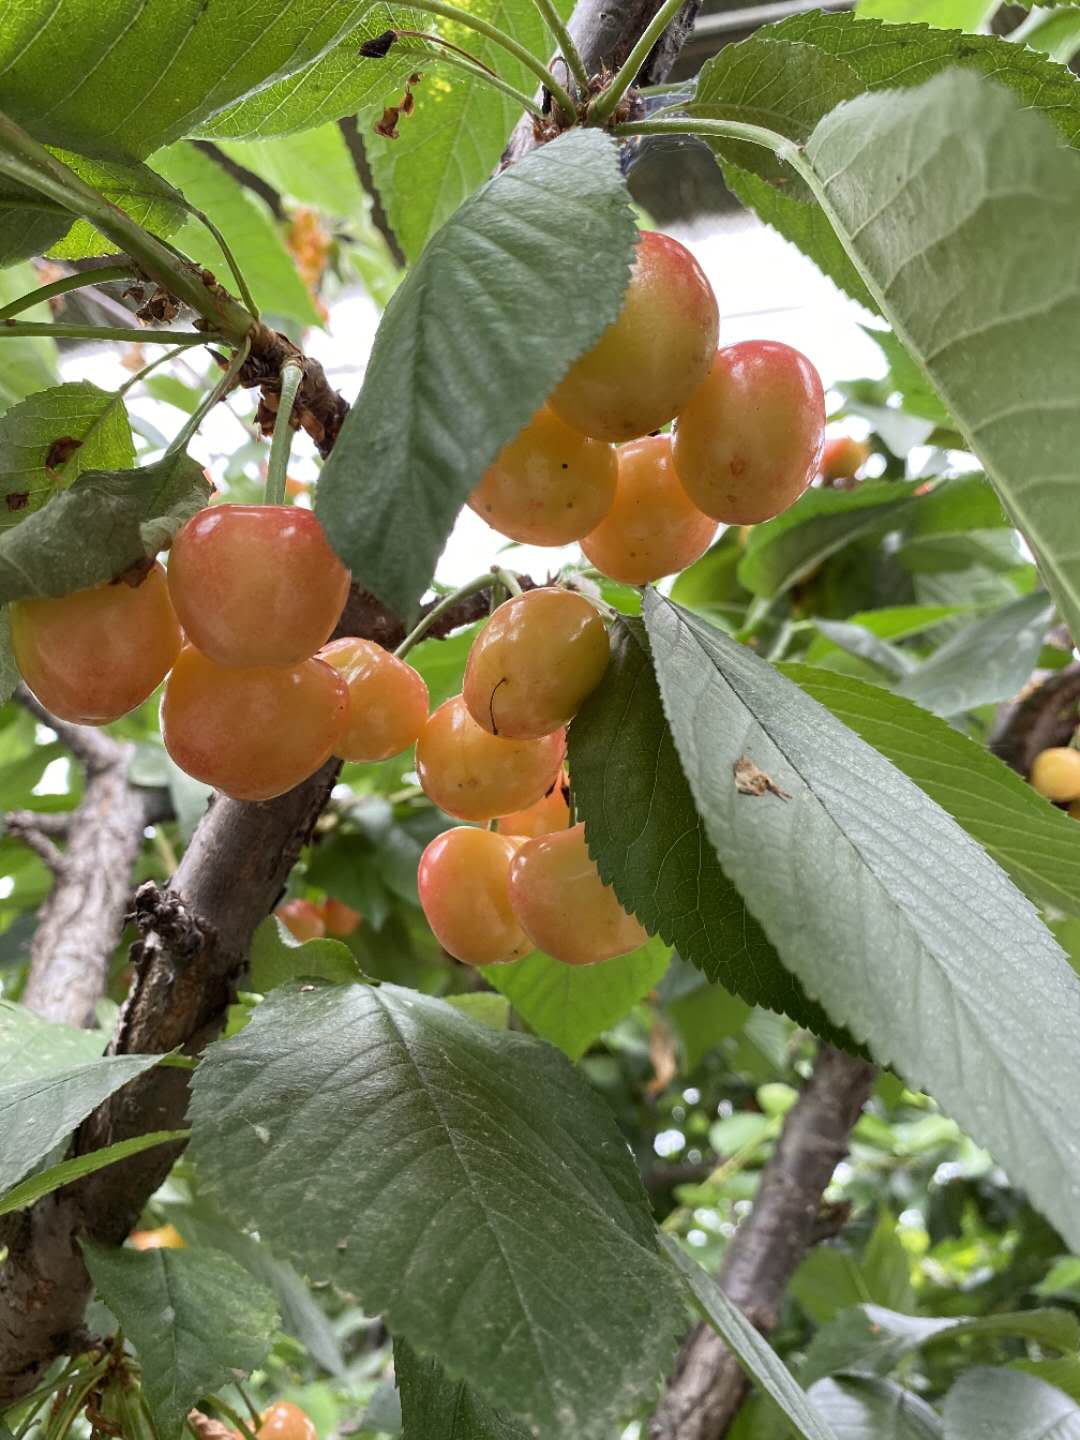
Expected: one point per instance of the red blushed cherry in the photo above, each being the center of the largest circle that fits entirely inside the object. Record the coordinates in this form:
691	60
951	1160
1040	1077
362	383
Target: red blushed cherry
302	918
476	776
286	1421
649	362
562	904
340	919
842	457
464	886
749	442
653	528
388	700
92	656
256	584
252	733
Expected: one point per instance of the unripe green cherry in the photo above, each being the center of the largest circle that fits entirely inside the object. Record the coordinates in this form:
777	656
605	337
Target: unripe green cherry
648	363
534	663
256	584
476	776
92	656
464	885
653	528
550	486
1055	773
562	904
543	816
252	733
388	699
749	442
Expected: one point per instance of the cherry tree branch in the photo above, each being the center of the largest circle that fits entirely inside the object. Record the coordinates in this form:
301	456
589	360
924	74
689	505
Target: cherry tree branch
708	1385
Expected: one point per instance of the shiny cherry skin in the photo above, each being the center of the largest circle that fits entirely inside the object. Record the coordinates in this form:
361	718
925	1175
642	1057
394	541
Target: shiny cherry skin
648	363
165	1237
1055	773
562	904
302	918
464	885
388	700
654	528
534	663
285	1421
92	656
550	486
252	733
548	814
842	457
476	776
340	919
256	584
749	442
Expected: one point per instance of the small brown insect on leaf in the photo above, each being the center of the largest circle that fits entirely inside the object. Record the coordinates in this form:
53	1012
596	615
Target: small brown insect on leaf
379	45
61	451
387	124
750	780
19	500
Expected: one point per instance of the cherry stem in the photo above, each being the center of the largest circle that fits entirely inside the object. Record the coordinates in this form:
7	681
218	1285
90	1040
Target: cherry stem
230	258
79	281
237	1421
255	1416
565	41
603	107
146	369
105	332
424	624
291	376
220	390
508	581
469	65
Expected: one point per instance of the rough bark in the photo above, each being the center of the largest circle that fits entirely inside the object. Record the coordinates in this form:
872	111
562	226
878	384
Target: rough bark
1047	714
708	1385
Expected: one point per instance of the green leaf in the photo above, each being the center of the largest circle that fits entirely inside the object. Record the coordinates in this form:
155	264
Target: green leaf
907	931
27	363
79	1165
483	1006
703	1017
870	1340
886	1268
650	844
572	1005
245	221
474	339
1063	1373
1053	32
314	168
1006	1405
428	1139
278	957
752	1351
30	1046
998	182
124	81
874	1410
101	526
1035	842
37	1113
967	15
433	1404
452	141
76	411
196	1318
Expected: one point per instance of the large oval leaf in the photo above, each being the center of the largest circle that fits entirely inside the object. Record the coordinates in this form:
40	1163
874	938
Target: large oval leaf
1005	1405
464	1181
471	344
887	911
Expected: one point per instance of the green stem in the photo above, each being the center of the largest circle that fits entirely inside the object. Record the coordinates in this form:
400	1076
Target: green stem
780	145
255	1416
235	1420
280	445
424	624
24	160
603	107
44	1393
565	41
230	258
103	332
507	580
78	281
220	389
479	71
506	42
146	369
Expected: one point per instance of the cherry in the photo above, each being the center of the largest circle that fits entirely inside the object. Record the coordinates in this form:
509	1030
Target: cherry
476	776
255	732
749	442
653	529
562	904
388	700
302	918
95	654
340	919
548	814
285	1421
648	363
464	885
534	663
1055	773
842	457
165	1237
549	486
256	584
